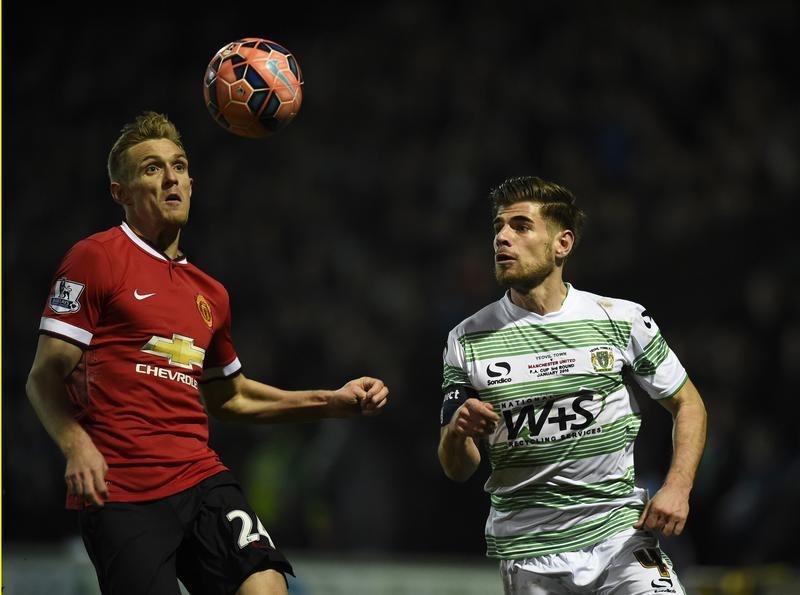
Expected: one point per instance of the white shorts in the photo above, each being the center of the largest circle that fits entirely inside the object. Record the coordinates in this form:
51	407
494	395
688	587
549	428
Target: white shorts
629	563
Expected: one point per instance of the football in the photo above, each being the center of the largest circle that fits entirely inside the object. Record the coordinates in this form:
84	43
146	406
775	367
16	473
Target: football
253	87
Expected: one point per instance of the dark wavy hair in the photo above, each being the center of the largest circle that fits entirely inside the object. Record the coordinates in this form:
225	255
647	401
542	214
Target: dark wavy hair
557	203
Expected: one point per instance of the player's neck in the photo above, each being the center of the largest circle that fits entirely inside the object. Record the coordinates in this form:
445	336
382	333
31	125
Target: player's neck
542	299
164	240
172	250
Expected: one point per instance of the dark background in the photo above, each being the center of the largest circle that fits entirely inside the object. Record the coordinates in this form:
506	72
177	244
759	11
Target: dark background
355	238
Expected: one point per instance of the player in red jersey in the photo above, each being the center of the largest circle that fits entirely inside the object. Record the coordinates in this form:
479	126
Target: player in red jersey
134	349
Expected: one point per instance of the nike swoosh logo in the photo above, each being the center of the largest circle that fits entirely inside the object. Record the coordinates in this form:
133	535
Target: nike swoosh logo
272	65
141	296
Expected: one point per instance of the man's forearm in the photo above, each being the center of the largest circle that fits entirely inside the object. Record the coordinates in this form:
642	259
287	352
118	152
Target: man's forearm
46	392
458	455
688	443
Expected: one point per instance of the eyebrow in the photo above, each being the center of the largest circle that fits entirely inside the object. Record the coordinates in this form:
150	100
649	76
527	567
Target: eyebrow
174	157
499	219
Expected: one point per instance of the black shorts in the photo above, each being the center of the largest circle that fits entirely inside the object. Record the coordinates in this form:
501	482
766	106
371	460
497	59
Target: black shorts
207	536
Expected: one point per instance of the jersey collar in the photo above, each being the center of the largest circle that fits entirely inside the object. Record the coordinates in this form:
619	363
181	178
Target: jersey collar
147	247
522	312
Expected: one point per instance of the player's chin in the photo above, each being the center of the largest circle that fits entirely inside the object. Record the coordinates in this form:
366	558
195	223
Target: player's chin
176	211
504	276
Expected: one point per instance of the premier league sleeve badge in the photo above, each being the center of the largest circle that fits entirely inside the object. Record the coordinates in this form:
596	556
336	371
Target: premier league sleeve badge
65	296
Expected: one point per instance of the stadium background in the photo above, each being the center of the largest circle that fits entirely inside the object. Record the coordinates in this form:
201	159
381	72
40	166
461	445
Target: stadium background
354	239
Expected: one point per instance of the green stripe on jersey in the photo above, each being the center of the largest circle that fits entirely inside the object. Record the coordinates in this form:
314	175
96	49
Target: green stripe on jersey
547	496
537	338
652	356
539	543
454	375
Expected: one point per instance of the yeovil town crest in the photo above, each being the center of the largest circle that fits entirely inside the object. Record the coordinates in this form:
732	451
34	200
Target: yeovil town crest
602	359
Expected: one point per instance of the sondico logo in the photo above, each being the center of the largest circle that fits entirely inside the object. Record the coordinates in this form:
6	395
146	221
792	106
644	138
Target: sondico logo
498	373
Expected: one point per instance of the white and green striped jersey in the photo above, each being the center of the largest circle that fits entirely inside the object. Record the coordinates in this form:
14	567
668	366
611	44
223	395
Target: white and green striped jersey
562	473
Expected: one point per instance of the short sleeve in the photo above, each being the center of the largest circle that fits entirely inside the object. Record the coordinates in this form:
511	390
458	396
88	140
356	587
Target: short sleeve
79	290
221	360
454	363
655	366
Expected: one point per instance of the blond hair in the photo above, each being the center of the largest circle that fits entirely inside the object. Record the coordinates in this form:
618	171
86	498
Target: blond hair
147	125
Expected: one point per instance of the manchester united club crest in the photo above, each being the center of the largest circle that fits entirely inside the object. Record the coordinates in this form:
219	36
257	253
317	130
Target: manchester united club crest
602	359
205	310
65	296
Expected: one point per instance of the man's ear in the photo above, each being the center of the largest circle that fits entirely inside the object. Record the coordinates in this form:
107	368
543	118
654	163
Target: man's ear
565	241
119	194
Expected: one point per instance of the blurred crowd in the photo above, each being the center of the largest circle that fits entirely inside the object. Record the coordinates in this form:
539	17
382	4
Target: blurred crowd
354	239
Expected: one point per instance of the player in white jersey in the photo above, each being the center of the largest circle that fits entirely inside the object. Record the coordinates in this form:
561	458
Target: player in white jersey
538	381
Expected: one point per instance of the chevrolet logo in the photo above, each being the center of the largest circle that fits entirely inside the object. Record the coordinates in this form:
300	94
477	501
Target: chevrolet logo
180	350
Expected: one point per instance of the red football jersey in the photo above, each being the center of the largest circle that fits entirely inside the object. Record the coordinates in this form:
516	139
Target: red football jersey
150	328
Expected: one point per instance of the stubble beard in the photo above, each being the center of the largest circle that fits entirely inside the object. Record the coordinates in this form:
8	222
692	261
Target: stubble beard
526	277
524	280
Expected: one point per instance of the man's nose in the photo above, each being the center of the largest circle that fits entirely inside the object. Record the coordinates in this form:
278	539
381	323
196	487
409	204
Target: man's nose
500	238
170	177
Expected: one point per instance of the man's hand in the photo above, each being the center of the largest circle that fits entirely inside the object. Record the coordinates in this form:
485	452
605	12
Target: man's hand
666	512
86	474
364	396
474	419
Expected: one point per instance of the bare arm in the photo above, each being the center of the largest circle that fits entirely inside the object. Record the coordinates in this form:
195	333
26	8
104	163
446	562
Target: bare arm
668	509
459	454
86	468
242	399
